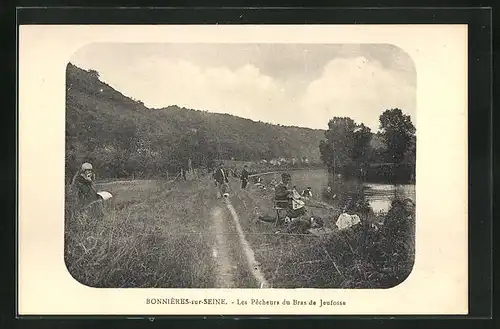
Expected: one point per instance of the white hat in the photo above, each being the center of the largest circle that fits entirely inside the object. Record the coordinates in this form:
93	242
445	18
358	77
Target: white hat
86	166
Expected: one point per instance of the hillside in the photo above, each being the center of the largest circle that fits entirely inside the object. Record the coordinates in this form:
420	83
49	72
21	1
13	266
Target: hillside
124	138
245	139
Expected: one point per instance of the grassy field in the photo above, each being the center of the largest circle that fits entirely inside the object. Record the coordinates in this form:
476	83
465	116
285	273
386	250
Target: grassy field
157	234
148	238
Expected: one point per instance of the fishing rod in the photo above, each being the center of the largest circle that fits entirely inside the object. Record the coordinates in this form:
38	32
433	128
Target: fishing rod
319	204
321	207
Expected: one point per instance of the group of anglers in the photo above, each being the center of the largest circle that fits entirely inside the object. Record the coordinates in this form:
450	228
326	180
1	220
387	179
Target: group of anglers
285	198
221	178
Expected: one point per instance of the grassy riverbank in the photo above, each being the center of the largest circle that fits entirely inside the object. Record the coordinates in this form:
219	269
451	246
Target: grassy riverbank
362	257
157	234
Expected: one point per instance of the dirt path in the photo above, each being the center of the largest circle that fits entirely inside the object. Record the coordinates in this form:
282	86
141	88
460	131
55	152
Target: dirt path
224	268
208	245
252	264
234	262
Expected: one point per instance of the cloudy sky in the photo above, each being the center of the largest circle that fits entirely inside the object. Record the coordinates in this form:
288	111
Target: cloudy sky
291	84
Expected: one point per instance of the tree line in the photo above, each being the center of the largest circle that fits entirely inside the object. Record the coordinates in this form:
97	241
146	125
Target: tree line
350	148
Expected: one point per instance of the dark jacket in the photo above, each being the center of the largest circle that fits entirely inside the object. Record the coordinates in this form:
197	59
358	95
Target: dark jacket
244	175
298	226
307	193
282	196
85	191
220	176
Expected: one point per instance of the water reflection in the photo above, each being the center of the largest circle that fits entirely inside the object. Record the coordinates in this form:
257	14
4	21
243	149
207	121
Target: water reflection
348	195
354	195
380	195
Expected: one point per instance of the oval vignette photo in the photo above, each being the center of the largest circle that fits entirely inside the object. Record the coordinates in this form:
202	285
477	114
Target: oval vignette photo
240	165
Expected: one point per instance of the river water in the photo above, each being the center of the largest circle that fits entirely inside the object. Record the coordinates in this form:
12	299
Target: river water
379	196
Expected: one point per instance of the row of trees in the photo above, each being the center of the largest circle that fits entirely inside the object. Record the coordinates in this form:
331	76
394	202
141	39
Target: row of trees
350	148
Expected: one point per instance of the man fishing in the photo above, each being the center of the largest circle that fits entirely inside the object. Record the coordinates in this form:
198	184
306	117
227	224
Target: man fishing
221	181
307	193
302	226
86	196
288	199
244	177
83	183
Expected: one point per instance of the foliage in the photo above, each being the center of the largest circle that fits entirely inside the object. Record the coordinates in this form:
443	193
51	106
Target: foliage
389	172
123	138
411	152
398	132
94	73
346	145
350	148
361	147
391	248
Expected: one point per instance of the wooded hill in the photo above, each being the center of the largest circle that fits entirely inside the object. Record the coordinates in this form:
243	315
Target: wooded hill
123	138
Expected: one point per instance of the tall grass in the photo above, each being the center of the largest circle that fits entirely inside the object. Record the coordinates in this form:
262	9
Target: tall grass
369	255
155	234
143	240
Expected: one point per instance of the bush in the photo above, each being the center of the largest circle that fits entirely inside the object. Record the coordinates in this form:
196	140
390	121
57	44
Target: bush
376	257
391	172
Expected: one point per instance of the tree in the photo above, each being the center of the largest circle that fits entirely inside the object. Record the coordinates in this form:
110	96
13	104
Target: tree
362	139
94	73
398	132
194	146
345	146
410	154
326	152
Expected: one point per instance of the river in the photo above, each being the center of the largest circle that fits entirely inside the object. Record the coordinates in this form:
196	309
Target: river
379	196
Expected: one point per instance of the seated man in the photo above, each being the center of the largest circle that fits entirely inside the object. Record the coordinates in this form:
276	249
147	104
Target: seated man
286	199
84	186
307	193
302	226
83	189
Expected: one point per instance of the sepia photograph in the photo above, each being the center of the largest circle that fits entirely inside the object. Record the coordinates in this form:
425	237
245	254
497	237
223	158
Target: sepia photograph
243	169
252	165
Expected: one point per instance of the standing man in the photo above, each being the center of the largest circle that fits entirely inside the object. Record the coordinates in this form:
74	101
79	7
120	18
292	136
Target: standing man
244	177
221	181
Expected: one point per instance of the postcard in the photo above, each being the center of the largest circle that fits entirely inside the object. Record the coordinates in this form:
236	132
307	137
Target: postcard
242	169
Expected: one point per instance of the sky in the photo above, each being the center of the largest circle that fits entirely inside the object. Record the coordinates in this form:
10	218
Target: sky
302	85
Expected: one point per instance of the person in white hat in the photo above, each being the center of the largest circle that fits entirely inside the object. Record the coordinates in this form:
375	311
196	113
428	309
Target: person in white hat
83	185
83	198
